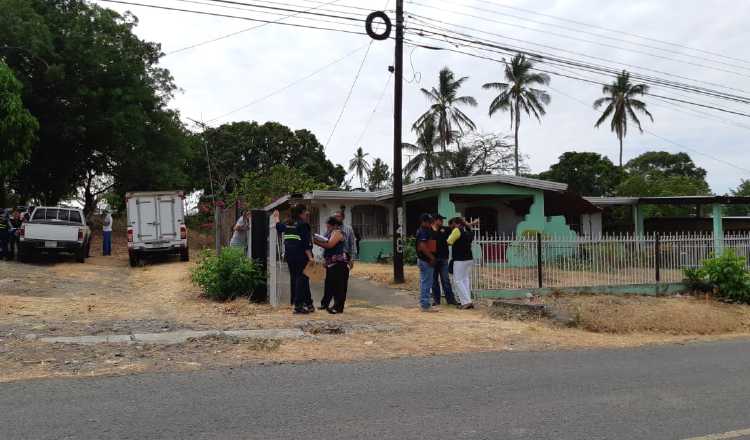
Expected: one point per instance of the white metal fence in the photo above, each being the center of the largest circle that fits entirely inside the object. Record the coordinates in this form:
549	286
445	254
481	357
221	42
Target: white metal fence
507	263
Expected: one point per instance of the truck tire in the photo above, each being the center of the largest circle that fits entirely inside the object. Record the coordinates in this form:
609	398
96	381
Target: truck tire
24	255
81	254
185	254
133	259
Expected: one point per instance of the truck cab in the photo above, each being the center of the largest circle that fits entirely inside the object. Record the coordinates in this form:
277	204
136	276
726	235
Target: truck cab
55	229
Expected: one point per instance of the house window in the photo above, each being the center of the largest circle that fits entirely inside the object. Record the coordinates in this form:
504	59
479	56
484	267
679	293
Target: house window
370	221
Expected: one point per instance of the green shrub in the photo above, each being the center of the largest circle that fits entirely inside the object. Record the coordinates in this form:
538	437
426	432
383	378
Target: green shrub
227	276
727	274
696	279
410	251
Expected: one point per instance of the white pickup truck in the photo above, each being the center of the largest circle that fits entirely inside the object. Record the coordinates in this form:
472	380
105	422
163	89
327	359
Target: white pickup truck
55	229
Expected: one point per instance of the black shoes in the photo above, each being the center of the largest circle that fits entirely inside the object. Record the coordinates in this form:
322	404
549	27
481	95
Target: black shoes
301	311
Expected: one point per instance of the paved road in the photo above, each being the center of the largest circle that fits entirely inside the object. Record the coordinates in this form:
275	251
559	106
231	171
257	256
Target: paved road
673	392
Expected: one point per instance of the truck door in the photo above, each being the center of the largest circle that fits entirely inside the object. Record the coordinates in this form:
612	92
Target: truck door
167	228
147	219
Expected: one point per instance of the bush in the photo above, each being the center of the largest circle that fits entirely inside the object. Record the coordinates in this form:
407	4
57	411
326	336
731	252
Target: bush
410	251
227	276
727	274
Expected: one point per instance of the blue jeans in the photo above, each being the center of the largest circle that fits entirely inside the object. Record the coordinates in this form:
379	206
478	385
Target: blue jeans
426	277
107	243
442	277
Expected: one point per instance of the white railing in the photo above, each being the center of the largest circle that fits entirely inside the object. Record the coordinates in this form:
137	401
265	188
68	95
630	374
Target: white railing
510	263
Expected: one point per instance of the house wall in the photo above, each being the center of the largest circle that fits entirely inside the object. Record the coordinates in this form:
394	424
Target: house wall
591	224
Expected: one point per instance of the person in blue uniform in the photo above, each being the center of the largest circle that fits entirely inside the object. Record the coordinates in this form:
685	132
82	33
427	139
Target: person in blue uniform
297	237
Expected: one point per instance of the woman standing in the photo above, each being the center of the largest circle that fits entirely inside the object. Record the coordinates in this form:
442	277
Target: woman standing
461	239
337	267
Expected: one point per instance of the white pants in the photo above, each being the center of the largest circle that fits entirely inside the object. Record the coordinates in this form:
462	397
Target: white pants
462	280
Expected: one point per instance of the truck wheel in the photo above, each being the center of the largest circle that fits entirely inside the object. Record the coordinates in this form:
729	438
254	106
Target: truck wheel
185	254
81	254
133	259
24	255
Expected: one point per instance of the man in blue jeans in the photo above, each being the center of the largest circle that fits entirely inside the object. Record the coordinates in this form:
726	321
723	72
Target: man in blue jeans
426	248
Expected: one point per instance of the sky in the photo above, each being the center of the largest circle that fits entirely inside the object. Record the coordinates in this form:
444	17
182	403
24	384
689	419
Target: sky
301	77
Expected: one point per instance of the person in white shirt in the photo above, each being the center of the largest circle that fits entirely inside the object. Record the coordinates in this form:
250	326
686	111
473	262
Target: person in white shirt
106	233
239	237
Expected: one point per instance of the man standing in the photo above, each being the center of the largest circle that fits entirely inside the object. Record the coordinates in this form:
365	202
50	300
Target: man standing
4	234
442	256
297	238
426	248
15	233
239	236
106	233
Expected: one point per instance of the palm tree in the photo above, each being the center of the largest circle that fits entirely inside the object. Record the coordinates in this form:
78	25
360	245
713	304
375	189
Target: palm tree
444	109
621	105
360	166
425	156
379	175
462	162
518	94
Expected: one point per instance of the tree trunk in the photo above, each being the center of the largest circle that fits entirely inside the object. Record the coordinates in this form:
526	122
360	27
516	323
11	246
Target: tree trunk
620	138
515	152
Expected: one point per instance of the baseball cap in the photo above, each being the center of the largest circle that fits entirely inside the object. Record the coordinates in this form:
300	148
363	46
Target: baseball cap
425	218
438	217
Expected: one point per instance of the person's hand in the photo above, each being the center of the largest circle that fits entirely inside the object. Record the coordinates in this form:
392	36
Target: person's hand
351	264
275	215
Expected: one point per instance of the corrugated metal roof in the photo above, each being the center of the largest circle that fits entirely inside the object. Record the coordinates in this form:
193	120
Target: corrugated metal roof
609	201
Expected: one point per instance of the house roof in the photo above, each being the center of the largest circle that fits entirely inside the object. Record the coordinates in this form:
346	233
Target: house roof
426	185
669	200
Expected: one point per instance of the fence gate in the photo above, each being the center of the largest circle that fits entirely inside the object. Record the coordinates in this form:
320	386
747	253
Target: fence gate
278	273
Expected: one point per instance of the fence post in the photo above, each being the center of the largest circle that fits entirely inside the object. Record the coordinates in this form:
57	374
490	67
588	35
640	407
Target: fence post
539	272
657	257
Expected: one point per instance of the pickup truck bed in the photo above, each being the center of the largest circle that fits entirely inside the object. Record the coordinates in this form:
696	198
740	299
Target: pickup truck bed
55	229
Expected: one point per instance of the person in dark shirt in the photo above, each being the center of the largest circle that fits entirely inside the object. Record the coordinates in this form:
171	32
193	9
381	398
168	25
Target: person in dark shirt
297	238
426	248
337	266
4	234
14	238
442	260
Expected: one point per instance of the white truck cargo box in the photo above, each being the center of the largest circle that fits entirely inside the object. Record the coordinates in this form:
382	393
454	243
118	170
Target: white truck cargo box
156	224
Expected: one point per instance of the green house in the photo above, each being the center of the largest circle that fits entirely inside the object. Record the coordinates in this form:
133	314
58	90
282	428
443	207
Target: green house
507	206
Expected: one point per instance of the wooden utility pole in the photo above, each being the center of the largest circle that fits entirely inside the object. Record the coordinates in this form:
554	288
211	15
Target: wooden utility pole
398	210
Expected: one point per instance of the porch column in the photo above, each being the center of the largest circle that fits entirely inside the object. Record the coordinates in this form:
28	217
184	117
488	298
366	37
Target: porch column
446	207
638	220
718	230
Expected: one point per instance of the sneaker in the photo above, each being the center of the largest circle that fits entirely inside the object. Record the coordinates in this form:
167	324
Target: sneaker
332	311
301	311
466	306
310	308
430	310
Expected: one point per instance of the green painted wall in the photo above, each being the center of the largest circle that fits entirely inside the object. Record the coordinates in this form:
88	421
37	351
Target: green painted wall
370	249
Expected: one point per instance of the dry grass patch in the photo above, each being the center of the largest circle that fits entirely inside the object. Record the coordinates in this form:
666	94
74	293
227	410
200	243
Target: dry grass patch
383	274
642	314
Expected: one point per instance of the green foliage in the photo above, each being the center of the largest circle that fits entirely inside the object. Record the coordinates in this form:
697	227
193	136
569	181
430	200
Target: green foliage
227	276
410	251
380	175
240	148
99	96
727	274
258	189
588	174
742	190
17	128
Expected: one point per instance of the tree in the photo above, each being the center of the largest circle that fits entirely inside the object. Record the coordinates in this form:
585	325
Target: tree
492	153
588	174
665	163
424	155
622	105
17	129
444	110
518	94
380	175
360	166
238	148
98	94
742	190
258	189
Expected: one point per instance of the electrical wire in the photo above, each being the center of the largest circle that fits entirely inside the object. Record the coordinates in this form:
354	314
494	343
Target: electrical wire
374	110
288	86
483	18
286	9
670	51
214	14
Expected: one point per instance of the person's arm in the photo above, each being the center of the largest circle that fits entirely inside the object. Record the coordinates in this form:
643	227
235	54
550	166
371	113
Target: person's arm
422	247
455	235
306	237
335	239
280	228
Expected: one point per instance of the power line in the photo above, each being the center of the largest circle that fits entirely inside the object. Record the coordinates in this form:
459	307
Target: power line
214	14
285	9
618	31
479	17
425	21
222	37
595	34
509	50
349	95
374	110
281	89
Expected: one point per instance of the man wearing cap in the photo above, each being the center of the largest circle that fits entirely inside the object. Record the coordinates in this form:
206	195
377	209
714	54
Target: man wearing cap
426	248
106	233
442	257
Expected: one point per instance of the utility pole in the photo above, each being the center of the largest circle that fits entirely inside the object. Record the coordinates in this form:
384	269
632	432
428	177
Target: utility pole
214	201
398	194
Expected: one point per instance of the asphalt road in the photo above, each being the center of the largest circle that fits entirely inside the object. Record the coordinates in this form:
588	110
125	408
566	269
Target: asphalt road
673	392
